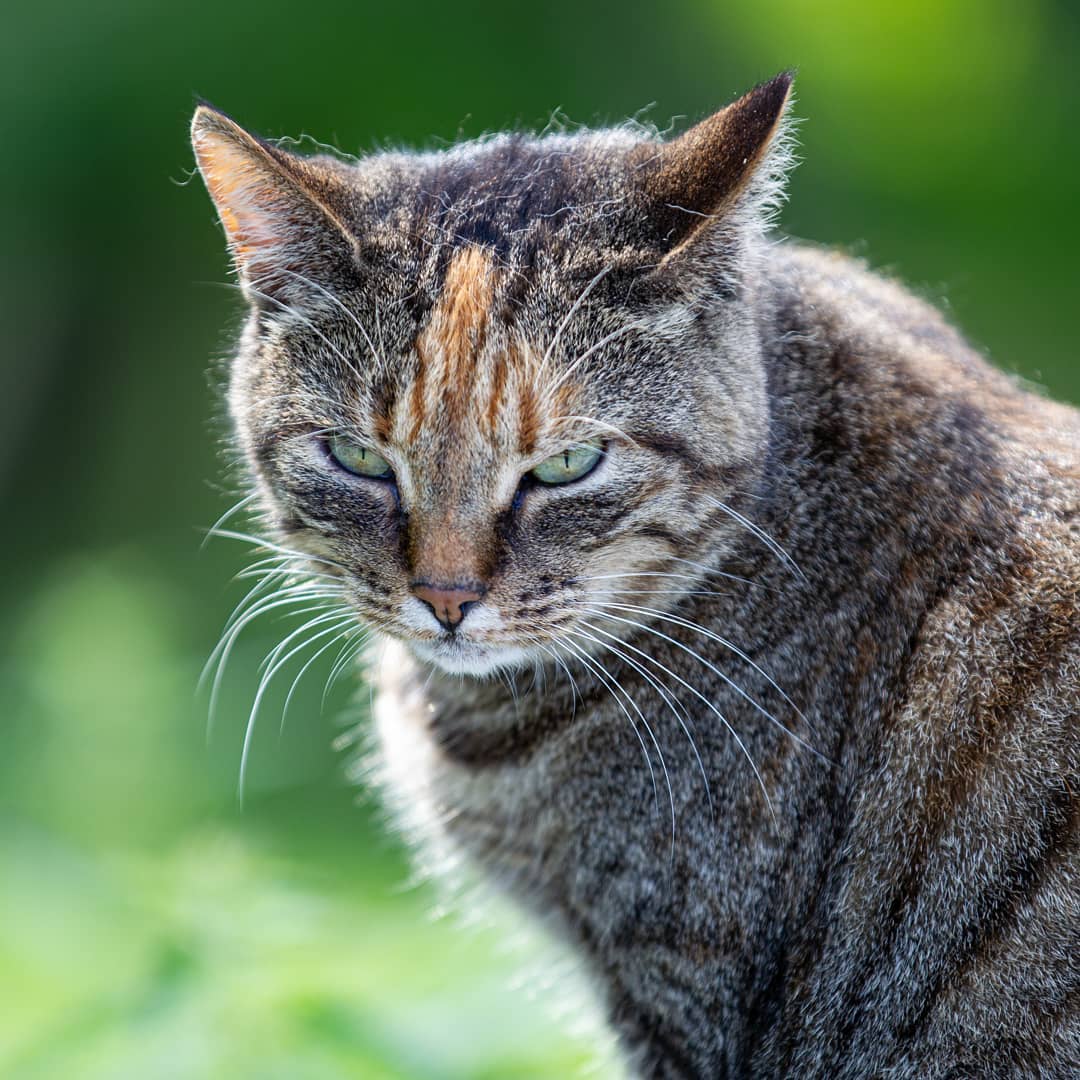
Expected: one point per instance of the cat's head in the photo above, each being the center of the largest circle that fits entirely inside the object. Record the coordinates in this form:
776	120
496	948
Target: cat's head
493	387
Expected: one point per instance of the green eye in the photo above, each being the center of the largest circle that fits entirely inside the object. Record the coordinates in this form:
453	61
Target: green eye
357	459
570	464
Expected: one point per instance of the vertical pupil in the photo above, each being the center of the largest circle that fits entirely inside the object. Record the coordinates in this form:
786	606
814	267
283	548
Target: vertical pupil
566	458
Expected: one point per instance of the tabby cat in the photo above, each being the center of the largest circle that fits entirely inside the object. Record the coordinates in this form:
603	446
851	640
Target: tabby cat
729	602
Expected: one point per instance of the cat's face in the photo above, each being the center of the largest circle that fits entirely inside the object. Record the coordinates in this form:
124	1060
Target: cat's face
497	389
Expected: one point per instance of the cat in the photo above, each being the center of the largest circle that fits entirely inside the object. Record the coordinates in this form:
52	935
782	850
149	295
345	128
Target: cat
730	601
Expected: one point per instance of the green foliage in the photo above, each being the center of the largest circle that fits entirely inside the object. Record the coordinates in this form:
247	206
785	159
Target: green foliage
220	955
147	927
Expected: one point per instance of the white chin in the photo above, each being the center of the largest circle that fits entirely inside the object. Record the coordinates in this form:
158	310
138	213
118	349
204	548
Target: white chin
462	657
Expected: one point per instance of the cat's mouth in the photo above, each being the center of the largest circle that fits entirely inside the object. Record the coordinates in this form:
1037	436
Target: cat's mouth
458	655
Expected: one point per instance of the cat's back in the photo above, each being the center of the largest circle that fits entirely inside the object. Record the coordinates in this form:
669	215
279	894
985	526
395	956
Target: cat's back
942	406
866	318
988	466
984	460
976	787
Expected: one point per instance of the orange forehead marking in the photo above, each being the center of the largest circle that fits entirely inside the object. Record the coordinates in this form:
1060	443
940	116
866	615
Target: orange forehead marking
467	291
459	324
528	420
381	424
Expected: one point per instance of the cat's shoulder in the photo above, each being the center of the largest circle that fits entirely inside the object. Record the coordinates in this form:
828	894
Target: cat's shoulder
871	317
1010	451
902	347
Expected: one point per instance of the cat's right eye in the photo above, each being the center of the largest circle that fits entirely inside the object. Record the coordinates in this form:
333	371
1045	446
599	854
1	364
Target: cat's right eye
358	459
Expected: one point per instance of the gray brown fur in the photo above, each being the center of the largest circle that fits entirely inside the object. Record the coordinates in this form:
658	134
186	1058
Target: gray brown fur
901	900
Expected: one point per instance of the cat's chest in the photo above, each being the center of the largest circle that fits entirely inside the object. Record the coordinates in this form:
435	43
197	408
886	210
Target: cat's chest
513	809
580	826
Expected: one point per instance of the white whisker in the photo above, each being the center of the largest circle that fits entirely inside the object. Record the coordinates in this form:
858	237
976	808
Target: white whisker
574	692
223	649
601	427
283	582
716	671
343	660
697	693
582	296
296	681
264	684
676	707
236	507
269	545
731	647
759	532
706	569
610	682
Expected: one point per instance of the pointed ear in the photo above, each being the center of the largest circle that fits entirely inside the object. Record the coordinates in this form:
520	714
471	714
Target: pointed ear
281	213
732	160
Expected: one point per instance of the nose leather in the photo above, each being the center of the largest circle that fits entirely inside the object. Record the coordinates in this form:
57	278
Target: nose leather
450	604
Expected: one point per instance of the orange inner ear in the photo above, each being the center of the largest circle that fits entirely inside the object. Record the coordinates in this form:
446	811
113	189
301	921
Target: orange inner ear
246	196
447	349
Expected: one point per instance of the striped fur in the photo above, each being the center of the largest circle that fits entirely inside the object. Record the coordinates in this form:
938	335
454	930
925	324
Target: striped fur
785	744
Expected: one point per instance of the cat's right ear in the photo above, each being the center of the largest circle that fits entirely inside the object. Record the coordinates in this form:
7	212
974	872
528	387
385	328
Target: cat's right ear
278	211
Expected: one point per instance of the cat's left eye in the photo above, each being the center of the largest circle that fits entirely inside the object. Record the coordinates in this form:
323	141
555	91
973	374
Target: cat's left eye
570	464
358	459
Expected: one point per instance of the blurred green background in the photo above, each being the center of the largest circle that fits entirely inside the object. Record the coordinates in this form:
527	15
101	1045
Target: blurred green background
148	928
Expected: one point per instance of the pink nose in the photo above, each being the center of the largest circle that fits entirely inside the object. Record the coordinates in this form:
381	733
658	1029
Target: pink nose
448	604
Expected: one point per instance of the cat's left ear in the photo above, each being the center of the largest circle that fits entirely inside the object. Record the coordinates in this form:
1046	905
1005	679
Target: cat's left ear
282	214
728	169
